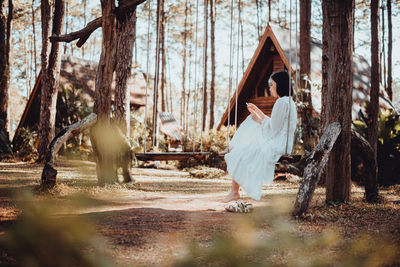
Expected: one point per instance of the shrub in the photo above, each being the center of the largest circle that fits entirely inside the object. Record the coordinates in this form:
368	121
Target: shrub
72	107
388	154
27	144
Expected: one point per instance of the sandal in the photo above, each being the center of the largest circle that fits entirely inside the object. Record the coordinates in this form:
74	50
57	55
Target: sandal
240	207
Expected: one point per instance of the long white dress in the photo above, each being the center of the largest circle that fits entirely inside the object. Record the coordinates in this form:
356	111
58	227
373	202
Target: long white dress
255	148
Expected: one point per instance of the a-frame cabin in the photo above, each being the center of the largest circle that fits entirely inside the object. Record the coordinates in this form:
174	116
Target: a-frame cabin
274	53
268	58
81	73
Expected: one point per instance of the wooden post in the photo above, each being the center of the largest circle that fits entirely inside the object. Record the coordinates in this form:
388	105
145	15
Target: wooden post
315	165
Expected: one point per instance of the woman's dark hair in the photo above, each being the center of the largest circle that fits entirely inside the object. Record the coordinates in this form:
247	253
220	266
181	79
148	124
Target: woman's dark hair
282	83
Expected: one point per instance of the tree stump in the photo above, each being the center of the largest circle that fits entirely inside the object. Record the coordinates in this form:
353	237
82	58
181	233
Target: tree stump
314	167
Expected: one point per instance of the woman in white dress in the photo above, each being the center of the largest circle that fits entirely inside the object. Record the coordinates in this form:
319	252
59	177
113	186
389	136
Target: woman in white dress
260	141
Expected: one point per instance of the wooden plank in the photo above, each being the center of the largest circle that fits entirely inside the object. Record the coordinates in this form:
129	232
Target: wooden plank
180	156
278	63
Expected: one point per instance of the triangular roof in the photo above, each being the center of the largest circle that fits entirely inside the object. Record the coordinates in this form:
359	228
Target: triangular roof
276	38
77	71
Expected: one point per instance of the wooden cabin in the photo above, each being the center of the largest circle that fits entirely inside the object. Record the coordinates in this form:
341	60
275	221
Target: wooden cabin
82	73
274	53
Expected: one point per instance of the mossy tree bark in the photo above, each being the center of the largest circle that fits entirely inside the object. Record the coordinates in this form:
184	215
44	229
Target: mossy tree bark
315	165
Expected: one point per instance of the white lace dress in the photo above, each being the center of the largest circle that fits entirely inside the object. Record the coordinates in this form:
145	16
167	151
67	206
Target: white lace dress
256	148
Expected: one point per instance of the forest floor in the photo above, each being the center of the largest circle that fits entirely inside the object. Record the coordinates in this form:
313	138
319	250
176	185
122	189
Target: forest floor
154	220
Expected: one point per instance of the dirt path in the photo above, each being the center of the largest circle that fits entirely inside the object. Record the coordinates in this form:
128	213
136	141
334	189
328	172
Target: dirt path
150	222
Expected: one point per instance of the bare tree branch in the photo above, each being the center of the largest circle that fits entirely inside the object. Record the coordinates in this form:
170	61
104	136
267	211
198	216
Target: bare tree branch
85	33
81	34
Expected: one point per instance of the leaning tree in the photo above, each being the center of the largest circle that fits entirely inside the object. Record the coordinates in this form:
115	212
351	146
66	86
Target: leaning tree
109	142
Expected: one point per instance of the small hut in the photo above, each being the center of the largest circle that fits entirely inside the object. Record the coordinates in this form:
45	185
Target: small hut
275	54
82	74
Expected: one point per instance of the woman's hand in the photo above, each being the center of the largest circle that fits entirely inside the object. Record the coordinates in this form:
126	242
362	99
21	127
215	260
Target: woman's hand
256	114
255	117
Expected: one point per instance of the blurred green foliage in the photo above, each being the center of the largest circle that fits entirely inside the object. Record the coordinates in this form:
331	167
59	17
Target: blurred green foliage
388	145
139	132
40	238
27	147
73	106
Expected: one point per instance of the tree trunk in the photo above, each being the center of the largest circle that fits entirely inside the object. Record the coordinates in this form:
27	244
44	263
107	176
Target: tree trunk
84	22
324	91
305	71
107	139
51	70
66	24
186	112
375	75
125	42
382	65
183	101
364	165
163	57
338	62
269	11
212	86
390	46
315	165
102	144
34	37
156	73
205	65
5	41
258	20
